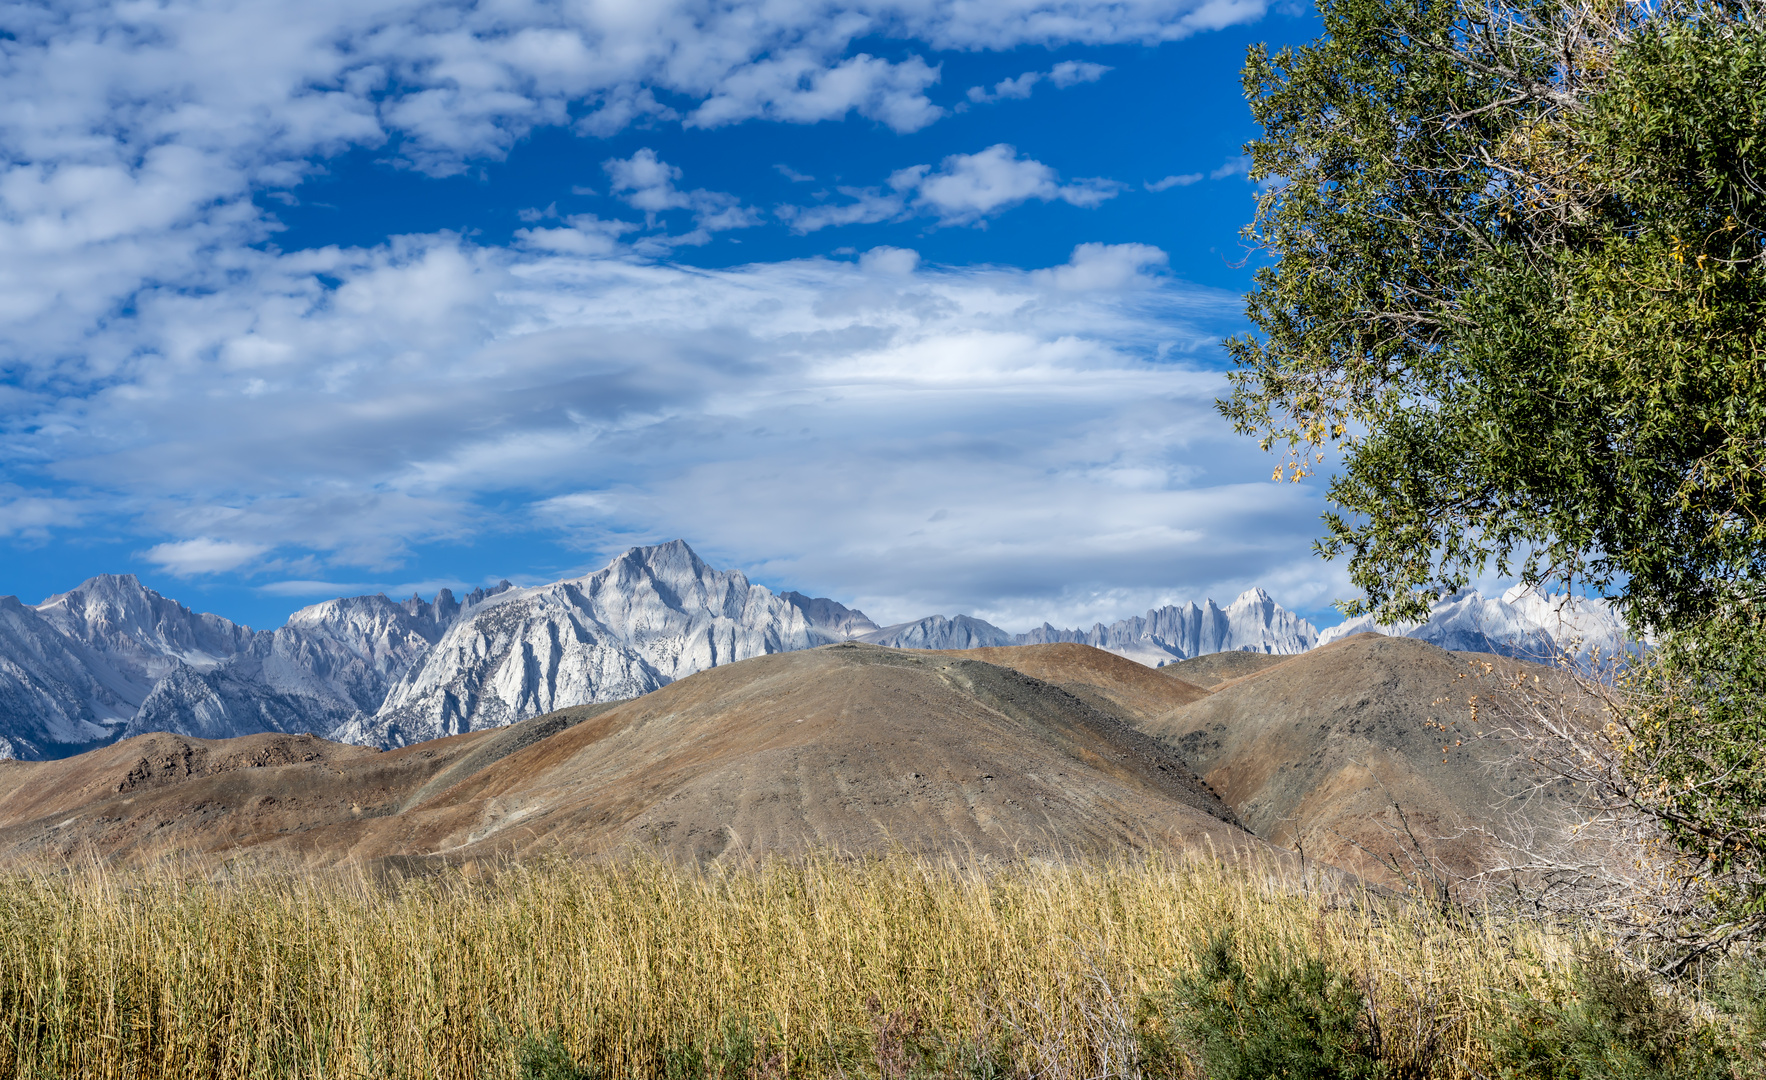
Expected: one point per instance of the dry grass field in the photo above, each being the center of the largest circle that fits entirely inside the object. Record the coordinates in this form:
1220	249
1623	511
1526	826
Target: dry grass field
888	966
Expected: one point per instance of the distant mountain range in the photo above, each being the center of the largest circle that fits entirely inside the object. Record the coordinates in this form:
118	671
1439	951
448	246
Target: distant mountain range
113	658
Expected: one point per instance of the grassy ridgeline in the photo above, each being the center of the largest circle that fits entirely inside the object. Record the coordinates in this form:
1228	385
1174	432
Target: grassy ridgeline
644	969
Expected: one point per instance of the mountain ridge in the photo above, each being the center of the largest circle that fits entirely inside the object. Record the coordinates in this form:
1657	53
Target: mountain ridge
112	659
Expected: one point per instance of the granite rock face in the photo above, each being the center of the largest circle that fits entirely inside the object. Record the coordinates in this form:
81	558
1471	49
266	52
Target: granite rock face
113	658
52	698
1253	623
330	663
77	667
652	616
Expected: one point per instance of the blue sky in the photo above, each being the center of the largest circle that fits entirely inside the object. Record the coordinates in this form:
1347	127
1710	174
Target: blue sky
911	303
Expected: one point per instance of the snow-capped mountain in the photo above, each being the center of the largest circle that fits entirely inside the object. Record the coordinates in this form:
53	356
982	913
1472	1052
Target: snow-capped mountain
330	663
52	701
1523	623
77	667
114	658
1253	622
653	616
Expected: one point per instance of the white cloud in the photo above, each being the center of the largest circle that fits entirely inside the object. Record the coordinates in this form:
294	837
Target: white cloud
800	87
1066	73
805	418
1073	72
586	235
868	206
1183	180
1104	266
967	188
647	183
1237	166
35	515
136	135
303	412
1233	166
203	555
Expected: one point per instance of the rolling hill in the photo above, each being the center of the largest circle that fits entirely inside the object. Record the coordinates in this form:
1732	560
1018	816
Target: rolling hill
852	747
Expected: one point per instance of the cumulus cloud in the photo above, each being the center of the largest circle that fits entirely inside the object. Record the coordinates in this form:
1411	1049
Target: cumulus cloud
800	87
647	183
1104	266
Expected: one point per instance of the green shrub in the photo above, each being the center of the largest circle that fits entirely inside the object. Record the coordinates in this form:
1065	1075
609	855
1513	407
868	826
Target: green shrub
1736	991
1289	1018
1613	1026
547	1059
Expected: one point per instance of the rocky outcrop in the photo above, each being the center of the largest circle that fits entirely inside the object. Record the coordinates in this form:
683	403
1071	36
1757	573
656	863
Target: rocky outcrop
227	702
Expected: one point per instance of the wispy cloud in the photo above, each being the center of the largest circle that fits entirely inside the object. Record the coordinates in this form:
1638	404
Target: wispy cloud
1237	165
964	189
1066	73
1183	180
345	405
203	555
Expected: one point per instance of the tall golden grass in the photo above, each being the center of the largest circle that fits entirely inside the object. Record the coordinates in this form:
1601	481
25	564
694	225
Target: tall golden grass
1045	970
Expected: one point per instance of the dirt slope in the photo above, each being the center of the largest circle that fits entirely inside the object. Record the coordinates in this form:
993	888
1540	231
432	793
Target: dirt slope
1314	751
1114	684
1215	668
853	746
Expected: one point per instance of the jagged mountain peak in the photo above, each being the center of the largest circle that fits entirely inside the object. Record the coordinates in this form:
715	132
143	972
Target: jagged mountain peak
100	584
142	632
652	615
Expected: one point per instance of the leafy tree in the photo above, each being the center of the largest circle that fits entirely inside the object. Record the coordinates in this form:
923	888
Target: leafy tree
1517	288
